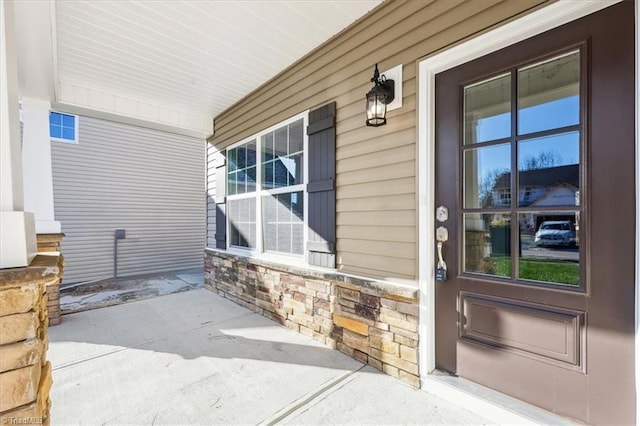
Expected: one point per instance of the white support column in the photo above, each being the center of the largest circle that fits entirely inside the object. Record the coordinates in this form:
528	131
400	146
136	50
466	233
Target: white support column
36	165
17	228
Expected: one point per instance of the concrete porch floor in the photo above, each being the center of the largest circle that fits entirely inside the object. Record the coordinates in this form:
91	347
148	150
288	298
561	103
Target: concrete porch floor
195	358
114	291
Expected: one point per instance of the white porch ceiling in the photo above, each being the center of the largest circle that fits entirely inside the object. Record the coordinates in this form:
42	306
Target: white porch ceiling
175	63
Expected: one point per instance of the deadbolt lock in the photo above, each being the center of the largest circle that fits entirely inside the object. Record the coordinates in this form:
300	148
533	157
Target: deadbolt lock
442	214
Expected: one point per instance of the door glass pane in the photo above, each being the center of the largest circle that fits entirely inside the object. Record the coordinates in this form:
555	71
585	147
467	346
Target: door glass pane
548	171
487	177
549	247
549	94
487	244
487	110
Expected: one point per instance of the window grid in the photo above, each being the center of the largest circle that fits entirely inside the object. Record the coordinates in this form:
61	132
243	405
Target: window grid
282	148
241	177
62	127
504	206
284	222
282	156
242	220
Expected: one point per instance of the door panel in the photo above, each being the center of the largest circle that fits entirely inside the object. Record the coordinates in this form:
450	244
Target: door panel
535	162
539	332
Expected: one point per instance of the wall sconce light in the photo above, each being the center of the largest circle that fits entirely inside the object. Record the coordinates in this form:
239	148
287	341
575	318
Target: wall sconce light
377	99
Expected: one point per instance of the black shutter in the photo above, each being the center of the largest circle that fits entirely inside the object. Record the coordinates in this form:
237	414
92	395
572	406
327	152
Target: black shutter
321	187
221	199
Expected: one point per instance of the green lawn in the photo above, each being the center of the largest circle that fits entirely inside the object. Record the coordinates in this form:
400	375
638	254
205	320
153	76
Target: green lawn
541	270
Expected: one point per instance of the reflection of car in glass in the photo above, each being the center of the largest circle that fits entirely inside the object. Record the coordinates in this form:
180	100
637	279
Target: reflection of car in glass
556	233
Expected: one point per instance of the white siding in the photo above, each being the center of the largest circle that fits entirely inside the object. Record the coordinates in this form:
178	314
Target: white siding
211	195
148	182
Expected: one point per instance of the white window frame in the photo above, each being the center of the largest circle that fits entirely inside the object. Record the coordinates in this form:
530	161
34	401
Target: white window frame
75	128
259	250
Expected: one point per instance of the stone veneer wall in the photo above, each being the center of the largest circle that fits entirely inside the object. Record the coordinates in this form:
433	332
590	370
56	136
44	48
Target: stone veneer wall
375	323
25	373
50	244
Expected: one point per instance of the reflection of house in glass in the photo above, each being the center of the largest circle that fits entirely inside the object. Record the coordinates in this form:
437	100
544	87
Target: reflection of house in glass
544	187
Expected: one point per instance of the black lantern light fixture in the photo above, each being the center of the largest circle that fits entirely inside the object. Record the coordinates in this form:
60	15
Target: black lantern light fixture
377	99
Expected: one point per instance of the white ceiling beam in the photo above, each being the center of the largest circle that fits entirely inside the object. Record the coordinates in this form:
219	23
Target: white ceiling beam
91	102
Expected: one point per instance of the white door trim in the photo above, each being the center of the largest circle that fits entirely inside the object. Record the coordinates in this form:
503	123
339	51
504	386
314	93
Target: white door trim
552	16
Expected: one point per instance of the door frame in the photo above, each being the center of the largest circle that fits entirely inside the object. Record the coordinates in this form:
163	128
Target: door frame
537	22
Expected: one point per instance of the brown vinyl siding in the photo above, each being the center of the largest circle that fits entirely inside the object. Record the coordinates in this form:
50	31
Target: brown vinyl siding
375	167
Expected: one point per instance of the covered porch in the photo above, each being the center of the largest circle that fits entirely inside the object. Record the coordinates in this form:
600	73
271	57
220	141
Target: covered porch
196	358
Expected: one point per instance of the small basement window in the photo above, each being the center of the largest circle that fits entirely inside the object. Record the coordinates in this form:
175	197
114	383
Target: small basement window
63	127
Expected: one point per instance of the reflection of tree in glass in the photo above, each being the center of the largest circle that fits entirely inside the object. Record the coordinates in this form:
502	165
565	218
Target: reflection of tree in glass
486	186
543	160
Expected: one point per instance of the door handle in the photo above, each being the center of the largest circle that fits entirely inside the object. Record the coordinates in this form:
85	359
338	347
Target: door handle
442	235
441	263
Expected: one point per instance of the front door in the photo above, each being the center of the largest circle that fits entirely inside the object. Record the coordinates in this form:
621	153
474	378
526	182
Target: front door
535	164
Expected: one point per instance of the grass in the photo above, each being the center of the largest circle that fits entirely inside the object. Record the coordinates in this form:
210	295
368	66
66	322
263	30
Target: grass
540	270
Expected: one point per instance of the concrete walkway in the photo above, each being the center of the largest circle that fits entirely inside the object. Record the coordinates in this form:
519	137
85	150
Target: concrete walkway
194	358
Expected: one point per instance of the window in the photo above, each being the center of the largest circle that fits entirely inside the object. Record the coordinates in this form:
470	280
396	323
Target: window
505	198
266	190
522	145
241	187
63	127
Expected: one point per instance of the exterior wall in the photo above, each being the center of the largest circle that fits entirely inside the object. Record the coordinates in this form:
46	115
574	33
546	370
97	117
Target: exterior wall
376	167
118	176
369	321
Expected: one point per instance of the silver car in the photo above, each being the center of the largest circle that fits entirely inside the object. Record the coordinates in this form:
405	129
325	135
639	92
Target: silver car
556	233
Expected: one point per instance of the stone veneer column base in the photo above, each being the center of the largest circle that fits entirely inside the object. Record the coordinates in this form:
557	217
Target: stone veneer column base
50	244
373	322
25	373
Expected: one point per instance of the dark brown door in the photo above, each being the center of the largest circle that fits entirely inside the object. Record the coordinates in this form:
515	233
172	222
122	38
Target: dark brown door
535	162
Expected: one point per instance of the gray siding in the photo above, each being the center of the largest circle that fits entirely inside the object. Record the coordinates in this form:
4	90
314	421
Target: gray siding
375	167
150	183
